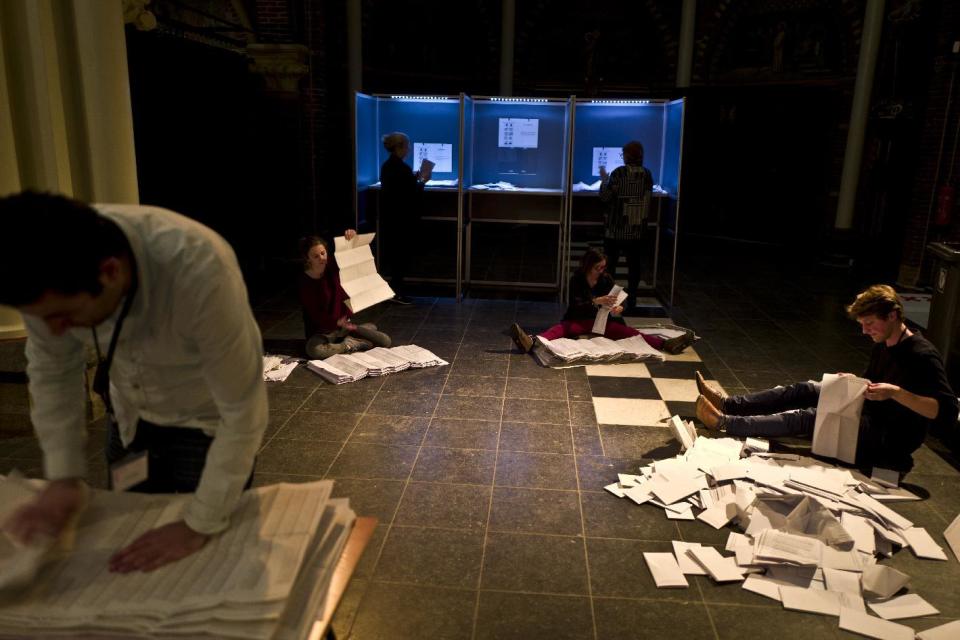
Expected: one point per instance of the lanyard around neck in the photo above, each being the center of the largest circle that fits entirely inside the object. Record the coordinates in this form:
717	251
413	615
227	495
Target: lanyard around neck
101	378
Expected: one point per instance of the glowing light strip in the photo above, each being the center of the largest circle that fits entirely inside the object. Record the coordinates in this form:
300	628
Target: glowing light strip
423	98
620	102
520	100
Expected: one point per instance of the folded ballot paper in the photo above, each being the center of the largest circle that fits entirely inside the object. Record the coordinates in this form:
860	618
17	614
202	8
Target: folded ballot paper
263	578
358	272
837	425
350	367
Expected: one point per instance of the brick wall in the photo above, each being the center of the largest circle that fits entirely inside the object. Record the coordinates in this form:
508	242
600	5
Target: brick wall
273	20
932	164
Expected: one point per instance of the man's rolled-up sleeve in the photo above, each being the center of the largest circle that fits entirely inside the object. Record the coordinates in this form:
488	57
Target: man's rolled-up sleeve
232	359
55	368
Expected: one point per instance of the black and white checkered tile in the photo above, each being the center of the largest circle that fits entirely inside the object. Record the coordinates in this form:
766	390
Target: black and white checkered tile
647	394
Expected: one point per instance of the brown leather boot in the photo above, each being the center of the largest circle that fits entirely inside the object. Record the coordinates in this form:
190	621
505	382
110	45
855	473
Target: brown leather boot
715	396
521	338
709	415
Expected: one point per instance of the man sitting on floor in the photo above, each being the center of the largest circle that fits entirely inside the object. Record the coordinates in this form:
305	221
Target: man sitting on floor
908	392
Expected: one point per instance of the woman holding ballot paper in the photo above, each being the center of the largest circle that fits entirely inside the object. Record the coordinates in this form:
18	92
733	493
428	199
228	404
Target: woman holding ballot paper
401	189
592	290
326	318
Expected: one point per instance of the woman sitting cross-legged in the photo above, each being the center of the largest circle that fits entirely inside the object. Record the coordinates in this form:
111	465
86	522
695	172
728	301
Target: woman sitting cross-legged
326	317
589	290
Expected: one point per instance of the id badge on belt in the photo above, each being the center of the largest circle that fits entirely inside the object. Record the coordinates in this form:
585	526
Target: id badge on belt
129	471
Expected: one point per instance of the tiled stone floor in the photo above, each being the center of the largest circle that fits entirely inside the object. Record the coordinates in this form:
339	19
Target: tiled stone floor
486	476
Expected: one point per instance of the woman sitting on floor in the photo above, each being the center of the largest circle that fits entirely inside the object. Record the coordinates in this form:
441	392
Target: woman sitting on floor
589	290
326	317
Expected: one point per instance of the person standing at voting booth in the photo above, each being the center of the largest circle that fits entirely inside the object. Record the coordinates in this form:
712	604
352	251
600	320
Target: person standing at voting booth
627	193
907	392
160	300
400	203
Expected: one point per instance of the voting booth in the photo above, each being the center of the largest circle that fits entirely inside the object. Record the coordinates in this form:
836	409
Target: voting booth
515	191
601	128
434	126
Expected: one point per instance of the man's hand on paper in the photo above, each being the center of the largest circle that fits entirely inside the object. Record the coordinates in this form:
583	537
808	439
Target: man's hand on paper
158	547
345	323
881	391
49	513
350	234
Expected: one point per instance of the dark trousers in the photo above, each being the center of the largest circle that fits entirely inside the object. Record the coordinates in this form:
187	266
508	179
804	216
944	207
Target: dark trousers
792	411
633	250
175	458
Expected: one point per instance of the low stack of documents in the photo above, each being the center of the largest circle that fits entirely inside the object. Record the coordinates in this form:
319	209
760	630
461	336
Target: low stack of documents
265	577
813	535
350	367
564	352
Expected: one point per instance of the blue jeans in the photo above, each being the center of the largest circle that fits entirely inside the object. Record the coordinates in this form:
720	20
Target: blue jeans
781	411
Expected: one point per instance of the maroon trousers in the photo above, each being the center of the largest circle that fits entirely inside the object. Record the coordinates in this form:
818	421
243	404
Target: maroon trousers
615	331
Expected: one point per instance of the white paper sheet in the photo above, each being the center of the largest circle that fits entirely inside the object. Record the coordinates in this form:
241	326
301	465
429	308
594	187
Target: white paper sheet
952	535
908	606
719	568
687	564
358	274
922	545
842	581
665	570
837	424
883	582
811	600
949	631
866	625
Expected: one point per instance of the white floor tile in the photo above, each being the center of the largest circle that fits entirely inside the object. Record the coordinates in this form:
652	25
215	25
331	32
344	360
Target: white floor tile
631	411
628	370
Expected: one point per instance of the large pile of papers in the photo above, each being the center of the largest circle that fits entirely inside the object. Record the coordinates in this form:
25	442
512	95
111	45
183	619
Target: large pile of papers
565	352
812	533
265	577
350	367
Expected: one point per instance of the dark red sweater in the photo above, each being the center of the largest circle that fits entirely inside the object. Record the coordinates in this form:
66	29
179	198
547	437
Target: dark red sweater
323	301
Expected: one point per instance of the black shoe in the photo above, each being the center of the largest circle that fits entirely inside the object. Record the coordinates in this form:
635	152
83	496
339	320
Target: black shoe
676	345
521	338
401	300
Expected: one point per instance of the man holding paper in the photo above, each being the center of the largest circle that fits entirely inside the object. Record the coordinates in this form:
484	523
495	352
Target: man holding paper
161	301
905	388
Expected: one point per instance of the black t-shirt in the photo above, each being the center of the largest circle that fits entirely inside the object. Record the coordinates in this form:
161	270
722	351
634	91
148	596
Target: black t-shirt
582	295
915	365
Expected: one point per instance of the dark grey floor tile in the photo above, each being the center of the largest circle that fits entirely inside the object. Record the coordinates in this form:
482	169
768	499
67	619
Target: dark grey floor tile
429	380
617	568
365	460
540	389
579	390
339	399
297	457
409	611
686	410
737	622
758	379
596	472
608	516
263	479
468	364
697	531
459	385
436	557
535	511
302	377
519	616
530	436
619	619
460	466
628	441
586	440
582	414
375	498
283	398
545	411
944	492
617	387
371	554
399	403
678	369
462	434
468	408
442	349
319	425
390	430
538	563
347	609
275	420
450	506
536	470
524	366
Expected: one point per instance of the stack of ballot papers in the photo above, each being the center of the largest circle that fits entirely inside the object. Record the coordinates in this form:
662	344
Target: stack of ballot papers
564	352
811	535
358	272
350	367
266	577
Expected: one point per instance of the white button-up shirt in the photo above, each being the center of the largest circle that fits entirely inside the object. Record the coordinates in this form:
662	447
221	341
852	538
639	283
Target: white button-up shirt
189	354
